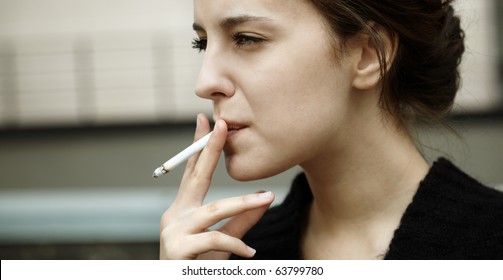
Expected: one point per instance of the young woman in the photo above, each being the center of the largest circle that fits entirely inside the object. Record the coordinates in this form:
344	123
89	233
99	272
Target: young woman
332	86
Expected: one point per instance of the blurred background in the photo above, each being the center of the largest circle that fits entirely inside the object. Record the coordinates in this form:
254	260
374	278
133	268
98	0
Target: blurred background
95	94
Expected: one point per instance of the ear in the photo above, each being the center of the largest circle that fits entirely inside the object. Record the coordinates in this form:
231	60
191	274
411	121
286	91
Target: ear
367	64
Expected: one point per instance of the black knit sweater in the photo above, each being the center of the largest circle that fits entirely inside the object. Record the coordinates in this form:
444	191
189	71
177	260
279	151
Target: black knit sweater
452	216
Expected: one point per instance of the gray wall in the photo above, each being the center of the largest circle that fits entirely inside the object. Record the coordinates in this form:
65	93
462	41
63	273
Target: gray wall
95	185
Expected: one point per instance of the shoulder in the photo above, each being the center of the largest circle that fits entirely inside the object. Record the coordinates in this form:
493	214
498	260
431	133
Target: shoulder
452	216
454	187
277	234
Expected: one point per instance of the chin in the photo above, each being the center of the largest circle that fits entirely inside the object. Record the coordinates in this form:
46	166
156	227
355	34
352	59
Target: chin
249	171
241	177
243	174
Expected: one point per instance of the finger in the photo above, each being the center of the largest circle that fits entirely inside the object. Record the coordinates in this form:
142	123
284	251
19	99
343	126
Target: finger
214	255
217	241
198	181
239	225
202	128
216	211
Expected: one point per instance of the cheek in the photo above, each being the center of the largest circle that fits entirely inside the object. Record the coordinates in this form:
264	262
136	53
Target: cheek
299	90
293	119
296	103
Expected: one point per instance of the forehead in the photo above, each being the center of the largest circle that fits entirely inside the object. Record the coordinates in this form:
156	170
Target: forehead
278	10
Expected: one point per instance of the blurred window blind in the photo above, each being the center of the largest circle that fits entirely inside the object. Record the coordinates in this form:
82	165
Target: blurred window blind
145	74
103	78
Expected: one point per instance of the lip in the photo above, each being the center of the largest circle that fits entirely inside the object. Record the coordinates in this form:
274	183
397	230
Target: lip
233	127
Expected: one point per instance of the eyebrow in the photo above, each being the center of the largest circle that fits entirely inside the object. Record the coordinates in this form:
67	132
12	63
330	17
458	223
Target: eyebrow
230	22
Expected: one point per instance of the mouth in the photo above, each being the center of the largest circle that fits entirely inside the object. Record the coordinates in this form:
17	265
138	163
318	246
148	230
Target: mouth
234	128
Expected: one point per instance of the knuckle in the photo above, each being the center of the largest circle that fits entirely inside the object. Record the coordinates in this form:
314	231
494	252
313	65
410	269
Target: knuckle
176	219
214	238
198	178
193	177
168	217
245	200
215	148
169	247
165	219
212	207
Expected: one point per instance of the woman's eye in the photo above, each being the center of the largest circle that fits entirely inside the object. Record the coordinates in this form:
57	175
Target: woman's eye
199	44
241	40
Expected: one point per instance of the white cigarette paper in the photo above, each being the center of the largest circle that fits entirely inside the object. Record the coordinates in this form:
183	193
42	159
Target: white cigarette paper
182	156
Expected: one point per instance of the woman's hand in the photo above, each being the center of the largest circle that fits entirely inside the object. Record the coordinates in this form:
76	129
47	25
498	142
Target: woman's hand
184	226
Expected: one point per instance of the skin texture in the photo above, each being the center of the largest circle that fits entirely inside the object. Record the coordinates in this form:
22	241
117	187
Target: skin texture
288	97
275	84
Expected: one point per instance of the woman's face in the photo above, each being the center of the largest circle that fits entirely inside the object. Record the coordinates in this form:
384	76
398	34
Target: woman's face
269	67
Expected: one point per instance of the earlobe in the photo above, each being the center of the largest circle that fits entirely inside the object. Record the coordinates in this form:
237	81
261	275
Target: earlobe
368	64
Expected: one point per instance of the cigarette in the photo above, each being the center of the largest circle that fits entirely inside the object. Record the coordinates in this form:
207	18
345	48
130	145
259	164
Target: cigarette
182	156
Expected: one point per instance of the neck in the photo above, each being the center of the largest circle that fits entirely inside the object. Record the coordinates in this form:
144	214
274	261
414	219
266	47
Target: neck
364	180
361	188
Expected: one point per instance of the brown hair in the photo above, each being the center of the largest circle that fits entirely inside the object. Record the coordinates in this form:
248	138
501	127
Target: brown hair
424	77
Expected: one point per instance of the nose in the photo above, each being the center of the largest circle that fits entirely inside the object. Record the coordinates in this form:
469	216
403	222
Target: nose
214	80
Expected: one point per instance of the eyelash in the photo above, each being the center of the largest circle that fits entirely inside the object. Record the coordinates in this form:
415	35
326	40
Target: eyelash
199	44
240	40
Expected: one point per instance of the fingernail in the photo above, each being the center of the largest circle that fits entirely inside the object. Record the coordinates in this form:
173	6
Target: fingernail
265	195
251	251
219	124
